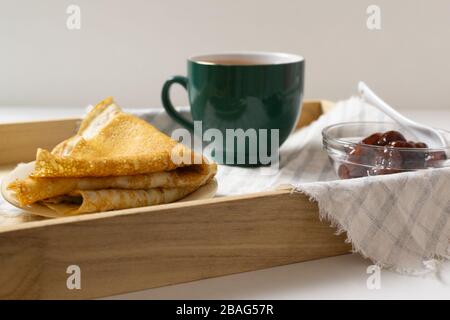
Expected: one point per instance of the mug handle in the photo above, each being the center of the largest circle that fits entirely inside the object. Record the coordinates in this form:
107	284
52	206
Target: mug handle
167	104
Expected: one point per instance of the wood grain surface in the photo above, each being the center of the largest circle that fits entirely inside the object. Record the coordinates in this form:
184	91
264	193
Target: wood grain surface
19	141
132	250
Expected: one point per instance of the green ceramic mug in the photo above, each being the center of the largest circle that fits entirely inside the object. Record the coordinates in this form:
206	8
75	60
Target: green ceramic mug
242	93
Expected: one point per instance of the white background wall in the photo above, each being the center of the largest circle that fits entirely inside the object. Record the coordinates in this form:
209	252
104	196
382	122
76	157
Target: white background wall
127	48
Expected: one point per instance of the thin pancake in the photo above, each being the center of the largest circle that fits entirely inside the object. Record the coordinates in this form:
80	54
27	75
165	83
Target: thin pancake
31	190
112	143
78	202
115	161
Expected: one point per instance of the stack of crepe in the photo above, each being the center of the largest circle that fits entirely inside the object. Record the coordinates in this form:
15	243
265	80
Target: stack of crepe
115	161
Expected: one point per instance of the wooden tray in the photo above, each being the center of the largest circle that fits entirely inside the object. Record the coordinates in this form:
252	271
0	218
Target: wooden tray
136	249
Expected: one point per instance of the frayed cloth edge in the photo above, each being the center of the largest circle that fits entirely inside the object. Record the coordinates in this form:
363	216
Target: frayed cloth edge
431	266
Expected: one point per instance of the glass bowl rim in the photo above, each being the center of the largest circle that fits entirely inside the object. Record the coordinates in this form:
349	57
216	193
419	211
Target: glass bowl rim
343	142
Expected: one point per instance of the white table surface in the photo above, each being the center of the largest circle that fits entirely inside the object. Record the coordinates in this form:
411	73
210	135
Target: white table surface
342	277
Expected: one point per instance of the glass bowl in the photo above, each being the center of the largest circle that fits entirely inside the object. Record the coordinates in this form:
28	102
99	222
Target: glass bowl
352	159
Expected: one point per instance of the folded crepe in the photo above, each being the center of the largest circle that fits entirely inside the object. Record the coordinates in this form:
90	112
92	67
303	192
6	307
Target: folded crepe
115	161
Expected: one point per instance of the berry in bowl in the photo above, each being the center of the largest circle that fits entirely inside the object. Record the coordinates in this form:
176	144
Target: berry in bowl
358	149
